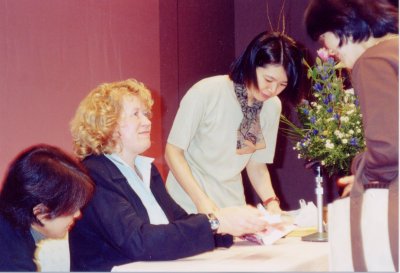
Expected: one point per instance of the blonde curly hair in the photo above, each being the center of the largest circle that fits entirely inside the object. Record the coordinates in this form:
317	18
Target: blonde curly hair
94	125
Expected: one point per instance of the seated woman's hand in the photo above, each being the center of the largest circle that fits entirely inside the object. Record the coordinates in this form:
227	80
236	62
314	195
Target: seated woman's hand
240	220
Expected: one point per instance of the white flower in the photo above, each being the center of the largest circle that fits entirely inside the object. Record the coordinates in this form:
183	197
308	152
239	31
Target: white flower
338	134
329	144
344	141
351	132
349	91
344	119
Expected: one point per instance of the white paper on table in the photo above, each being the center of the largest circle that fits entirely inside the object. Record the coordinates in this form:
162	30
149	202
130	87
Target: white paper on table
306	215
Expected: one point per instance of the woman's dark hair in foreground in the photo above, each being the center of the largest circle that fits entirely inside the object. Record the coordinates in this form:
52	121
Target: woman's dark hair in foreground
270	48
43	174
359	19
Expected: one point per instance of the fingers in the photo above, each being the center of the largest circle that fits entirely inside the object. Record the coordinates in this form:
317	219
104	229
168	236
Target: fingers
347	183
343	181
346	190
241	220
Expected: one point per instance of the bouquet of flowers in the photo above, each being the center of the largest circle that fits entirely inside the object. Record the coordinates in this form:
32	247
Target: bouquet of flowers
331	130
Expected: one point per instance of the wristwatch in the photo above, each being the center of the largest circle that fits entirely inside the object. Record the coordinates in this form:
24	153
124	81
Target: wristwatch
214	222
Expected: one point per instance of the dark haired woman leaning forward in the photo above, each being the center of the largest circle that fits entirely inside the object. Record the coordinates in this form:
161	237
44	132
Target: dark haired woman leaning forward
230	122
42	195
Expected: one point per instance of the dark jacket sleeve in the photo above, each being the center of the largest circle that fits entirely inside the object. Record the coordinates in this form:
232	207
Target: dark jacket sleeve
115	227
17	248
375	80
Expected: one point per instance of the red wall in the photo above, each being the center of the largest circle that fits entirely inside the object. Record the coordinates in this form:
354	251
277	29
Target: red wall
53	52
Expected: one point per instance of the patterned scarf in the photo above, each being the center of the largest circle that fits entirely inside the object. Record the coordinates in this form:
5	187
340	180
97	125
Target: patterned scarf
250	128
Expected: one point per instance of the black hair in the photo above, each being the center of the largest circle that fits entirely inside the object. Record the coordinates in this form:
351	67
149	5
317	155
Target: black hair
356	19
43	174
270	48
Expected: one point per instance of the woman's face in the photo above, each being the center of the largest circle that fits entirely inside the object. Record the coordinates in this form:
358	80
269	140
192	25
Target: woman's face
135	126
56	227
272	80
348	53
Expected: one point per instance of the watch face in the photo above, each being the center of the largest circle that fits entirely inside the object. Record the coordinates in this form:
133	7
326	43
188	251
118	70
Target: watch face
214	223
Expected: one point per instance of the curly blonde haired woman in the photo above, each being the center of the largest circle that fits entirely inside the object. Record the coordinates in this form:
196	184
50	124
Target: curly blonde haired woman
131	216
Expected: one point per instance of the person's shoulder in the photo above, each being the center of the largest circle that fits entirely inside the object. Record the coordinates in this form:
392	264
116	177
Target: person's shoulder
385	55
213	81
100	166
209	89
93	161
5	225
388	49
13	233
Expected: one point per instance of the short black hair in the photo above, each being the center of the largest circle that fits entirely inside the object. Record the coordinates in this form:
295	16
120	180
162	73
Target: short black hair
356	19
43	174
270	48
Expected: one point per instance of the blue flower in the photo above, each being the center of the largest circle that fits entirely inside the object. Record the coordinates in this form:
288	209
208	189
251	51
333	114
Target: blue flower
336	116
318	87
356	102
331	61
331	97
354	141
326	100
315	132
313	119
330	110
324	76
305	111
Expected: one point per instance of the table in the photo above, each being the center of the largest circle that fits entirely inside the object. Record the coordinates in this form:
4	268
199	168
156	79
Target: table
287	254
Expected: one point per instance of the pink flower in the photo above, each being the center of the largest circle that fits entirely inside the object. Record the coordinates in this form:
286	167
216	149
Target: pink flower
323	54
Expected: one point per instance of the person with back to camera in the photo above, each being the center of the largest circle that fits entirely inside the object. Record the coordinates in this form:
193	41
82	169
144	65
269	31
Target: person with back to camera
229	123
363	35
131	217
42	195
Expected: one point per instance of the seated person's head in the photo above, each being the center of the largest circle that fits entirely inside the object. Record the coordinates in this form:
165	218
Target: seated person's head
44	189
113	117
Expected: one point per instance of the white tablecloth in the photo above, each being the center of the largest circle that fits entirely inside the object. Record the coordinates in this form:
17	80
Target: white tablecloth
287	254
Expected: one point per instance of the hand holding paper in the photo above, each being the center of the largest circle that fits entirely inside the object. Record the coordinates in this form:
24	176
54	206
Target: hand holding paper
277	229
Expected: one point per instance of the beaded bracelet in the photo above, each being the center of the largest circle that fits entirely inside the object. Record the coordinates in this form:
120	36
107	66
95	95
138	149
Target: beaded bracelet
269	200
